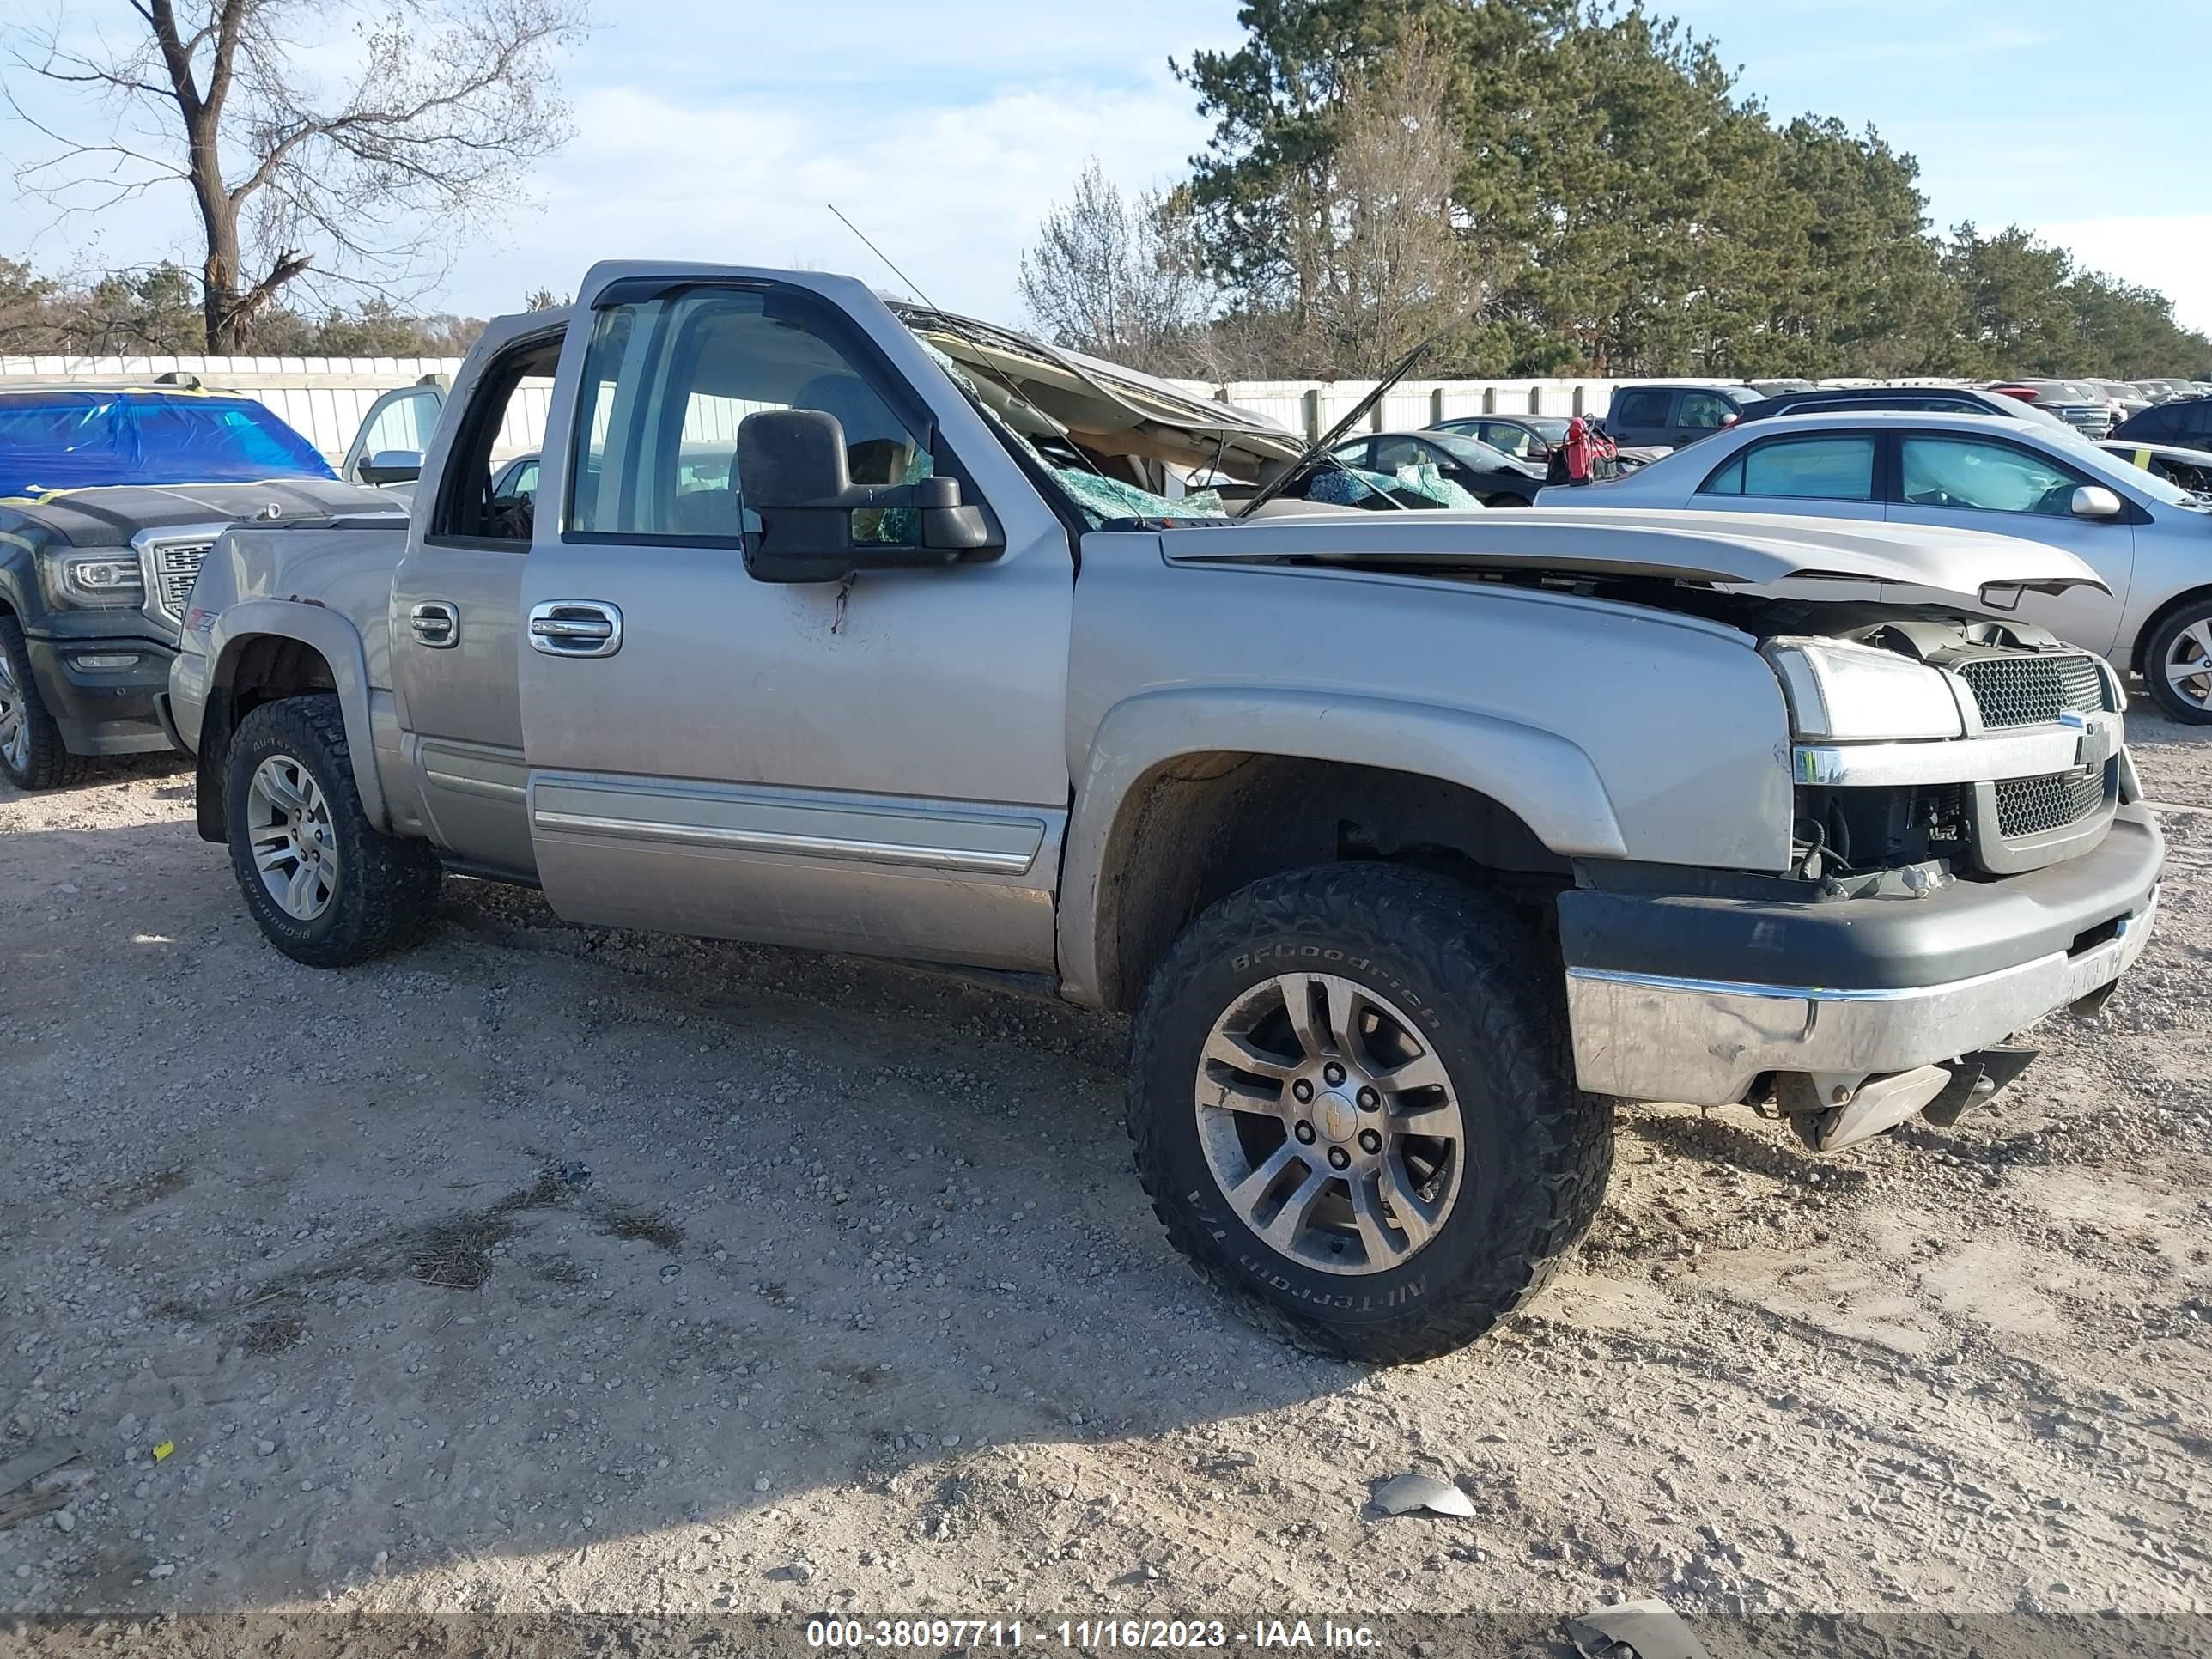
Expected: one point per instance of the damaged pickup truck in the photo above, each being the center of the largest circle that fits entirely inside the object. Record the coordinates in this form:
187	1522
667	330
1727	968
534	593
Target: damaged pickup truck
1408	840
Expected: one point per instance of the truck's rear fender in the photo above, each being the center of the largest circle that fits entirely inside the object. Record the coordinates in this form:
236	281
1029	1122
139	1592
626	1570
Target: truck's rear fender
1165	821
264	649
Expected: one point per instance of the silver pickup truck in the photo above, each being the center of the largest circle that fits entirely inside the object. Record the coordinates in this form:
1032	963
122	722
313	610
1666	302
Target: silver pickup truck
1410	839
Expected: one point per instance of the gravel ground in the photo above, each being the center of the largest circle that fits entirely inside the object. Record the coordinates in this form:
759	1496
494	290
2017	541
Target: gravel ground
550	1267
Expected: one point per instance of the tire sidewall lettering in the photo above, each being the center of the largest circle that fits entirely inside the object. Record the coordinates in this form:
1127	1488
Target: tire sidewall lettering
1277	952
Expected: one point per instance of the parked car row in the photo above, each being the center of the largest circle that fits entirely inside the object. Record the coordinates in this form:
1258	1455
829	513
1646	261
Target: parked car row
1659	413
2148	538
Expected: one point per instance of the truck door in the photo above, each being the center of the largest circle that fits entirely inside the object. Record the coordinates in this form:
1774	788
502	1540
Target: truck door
454	635
875	765
402	419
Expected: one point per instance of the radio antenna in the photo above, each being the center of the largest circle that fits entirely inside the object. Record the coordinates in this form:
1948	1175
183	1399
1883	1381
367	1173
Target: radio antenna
995	372
884	257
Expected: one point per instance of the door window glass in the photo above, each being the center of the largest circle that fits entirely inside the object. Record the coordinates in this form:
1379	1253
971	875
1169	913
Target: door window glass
1990	477
1354	454
1391	453
404	424
1819	468
1513	440
668	381
1640	409
1706	410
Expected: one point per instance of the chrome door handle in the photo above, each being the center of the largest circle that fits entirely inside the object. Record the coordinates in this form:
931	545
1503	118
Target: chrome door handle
435	623
575	627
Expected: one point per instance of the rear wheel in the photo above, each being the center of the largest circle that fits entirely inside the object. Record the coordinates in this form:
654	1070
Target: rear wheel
325	886
1354	1109
31	751
2177	664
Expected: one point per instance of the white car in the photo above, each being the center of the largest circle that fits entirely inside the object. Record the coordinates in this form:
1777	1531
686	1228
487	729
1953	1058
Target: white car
2148	539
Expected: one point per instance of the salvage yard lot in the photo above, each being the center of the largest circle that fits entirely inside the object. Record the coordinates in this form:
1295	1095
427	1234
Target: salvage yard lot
555	1267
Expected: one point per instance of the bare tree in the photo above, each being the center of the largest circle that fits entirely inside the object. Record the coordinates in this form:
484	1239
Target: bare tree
1112	276
1378	257
372	180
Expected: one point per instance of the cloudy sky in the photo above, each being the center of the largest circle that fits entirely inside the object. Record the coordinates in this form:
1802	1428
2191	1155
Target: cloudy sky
719	130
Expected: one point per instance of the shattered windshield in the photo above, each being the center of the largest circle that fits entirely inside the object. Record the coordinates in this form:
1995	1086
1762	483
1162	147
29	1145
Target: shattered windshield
1097	498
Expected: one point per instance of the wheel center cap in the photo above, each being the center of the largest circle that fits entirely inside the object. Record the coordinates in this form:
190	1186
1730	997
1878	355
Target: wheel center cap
1336	1117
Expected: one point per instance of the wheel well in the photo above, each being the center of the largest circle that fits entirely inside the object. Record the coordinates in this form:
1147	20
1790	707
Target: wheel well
1198	827
271	666
2179	602
264	669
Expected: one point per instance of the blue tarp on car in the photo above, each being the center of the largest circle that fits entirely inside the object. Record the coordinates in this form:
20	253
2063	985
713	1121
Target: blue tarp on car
60	440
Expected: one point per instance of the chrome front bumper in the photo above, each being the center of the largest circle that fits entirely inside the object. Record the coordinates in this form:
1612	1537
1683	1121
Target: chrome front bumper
1704	1041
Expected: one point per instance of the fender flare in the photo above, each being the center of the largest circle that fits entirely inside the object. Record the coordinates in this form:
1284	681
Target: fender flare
339	644
1545	780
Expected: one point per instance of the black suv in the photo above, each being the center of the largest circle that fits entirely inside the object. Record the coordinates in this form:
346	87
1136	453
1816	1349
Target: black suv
1926	399
2186	422
1646	416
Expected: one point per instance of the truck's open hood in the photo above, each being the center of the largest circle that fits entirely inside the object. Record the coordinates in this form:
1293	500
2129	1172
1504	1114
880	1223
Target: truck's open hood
1727	549
1107	407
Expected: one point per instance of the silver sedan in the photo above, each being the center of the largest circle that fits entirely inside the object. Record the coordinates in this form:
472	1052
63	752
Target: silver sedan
2149	539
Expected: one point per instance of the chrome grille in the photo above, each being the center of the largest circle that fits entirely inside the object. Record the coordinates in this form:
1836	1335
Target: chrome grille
176	568
2030	690
2030	806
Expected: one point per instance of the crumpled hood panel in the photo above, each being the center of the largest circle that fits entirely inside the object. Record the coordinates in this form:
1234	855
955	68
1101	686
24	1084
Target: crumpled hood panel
1727	549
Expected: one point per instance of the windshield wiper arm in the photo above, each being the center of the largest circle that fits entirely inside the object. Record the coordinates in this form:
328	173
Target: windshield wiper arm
1327	440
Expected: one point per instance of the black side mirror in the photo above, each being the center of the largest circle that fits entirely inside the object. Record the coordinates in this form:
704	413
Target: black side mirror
392	466
791	472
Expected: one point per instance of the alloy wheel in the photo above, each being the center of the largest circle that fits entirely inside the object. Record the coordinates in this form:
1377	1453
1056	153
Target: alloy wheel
288	829
2188	664
15	719
1329	1123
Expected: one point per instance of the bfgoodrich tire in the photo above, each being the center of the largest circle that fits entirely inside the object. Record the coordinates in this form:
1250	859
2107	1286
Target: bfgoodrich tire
1352	1098
2177	664
325	887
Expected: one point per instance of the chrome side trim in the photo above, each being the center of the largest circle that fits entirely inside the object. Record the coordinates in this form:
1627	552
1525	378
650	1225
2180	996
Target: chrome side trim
2059	747
468	786
911	833
472	771
769	841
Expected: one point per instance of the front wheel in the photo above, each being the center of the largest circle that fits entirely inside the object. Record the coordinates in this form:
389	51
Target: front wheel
325	886
2177	664
1354	1102
32	753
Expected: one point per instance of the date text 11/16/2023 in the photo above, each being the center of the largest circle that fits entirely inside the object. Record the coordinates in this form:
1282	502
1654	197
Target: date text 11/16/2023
1084	1635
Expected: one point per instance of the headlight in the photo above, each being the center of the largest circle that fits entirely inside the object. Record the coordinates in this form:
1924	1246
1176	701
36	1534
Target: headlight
1851	692
91	579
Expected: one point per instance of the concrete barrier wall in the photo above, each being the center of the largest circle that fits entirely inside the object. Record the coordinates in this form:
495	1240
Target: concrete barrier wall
326	397
1314	406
